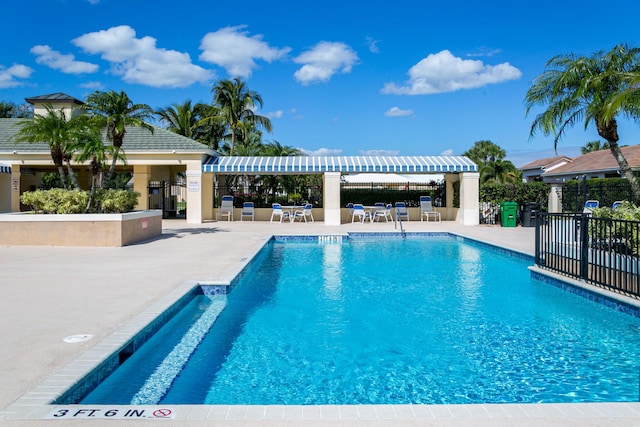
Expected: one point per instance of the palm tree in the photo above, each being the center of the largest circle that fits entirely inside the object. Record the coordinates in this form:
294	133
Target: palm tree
595	89
499	171
114	111
7	109
594	146
91	148
485	154
181	118
236	105
211	128
58	133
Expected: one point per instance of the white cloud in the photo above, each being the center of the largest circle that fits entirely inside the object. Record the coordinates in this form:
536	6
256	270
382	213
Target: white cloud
372	44
322	152
442	72
448	152
65	63
275	114
92	85
397	112
9	75
324	60
379	152
138	60
484	51
234	50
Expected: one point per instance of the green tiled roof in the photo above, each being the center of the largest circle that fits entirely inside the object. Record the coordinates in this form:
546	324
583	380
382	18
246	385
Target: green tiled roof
135	140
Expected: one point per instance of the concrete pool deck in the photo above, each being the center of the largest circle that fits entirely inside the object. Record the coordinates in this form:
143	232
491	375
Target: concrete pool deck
49	293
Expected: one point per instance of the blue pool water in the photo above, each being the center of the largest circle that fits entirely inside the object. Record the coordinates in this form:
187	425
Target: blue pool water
385	321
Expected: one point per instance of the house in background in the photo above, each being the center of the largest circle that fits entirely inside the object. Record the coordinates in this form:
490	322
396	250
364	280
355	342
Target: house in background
533	171
596	164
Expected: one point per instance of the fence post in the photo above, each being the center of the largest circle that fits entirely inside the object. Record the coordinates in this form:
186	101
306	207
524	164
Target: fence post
584	247
537	239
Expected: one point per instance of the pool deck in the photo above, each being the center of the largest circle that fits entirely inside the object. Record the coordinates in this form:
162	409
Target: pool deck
49	293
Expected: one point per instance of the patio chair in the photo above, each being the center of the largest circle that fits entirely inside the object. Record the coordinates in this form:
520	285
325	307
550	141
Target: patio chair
427	210
350	209
247	211
303	213
226	208
617	204
360	213
401	211
279	212
589	206
382	212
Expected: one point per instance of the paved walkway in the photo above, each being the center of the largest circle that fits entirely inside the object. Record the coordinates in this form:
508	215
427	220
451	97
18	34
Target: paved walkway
49	293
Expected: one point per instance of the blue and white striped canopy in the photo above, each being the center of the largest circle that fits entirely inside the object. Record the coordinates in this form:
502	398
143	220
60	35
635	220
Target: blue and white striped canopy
5	168
344	164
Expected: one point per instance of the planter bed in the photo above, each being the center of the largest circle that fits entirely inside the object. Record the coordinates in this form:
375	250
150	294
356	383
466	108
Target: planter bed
29	229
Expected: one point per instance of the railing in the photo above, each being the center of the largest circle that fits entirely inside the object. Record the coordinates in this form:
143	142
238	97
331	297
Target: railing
598	251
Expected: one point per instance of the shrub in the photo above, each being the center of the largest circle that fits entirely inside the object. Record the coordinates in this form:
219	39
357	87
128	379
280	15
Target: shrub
116	201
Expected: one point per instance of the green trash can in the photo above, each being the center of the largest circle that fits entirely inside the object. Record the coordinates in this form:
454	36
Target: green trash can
508	212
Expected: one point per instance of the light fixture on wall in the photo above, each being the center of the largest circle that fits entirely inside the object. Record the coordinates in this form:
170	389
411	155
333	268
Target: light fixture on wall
15	152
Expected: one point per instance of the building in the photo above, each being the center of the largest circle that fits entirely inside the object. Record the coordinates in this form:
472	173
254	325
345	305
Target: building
179	169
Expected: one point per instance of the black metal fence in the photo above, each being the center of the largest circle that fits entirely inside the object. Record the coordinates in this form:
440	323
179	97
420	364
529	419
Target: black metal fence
599	251
375	192
606	191
265	192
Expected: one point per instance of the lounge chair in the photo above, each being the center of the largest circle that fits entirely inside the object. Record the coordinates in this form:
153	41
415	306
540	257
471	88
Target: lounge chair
401	211
589	206
303	213
426	209
247	211
279	212
360	213
617	204
226	208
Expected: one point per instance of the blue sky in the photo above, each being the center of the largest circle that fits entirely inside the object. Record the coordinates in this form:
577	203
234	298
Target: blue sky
336	77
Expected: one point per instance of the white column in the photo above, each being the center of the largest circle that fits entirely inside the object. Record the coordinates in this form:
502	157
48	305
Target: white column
469	198
194	193
331	198
555	199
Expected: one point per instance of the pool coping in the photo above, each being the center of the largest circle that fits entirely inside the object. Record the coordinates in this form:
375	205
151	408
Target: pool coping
35	404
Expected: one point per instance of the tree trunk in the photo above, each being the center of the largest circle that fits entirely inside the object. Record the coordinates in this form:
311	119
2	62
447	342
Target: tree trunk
625	170
72	176
63	177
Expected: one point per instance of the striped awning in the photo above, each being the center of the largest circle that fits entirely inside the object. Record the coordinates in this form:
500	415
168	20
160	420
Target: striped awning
5	168
345	164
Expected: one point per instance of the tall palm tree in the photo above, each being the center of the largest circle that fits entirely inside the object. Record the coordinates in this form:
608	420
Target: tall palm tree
594	89
91	148
211	128
499	171
58	133
594	146
113	112
181	118
236	105
486	154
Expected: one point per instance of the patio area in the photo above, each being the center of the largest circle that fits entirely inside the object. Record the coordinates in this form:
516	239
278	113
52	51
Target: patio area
49	293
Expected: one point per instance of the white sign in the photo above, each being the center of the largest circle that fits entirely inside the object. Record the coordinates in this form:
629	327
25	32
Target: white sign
15	184
194	185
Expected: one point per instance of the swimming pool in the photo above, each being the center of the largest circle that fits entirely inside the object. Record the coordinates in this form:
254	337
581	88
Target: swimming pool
371	320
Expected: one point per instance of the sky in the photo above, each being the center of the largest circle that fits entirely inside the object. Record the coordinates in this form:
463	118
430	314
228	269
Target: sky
336	77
